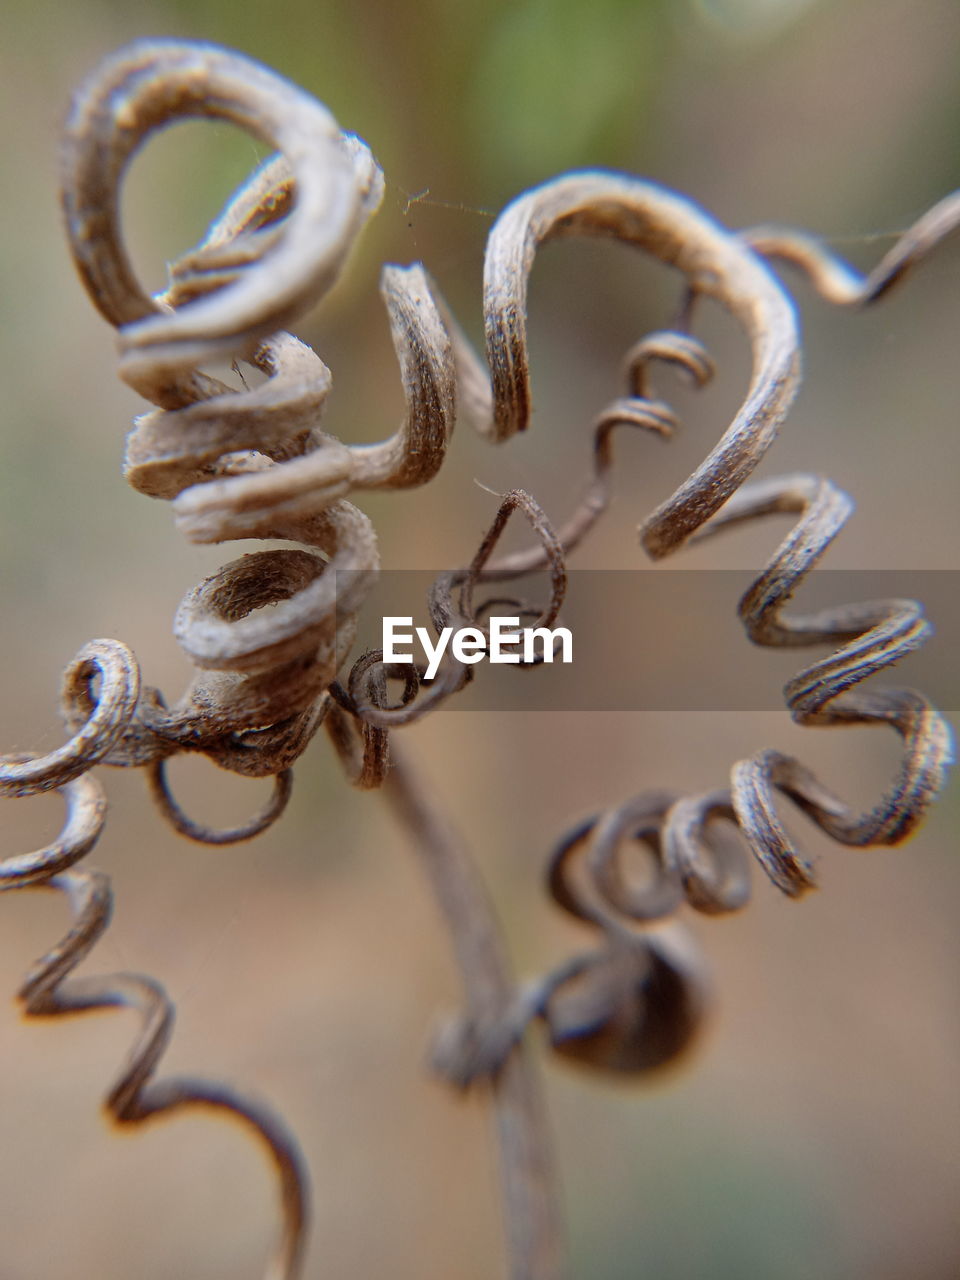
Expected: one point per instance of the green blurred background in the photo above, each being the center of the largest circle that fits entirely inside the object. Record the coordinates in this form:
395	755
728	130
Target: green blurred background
816	1132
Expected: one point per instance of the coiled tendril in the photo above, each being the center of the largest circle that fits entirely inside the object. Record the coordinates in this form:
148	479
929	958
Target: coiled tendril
135	1097
693	859
691	853
267	632
636	1003
47	991
270	633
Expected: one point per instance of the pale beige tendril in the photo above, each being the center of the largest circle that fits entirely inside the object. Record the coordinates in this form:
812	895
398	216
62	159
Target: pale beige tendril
872	637
267	632
835	279
715	264
135	1096
497	399
608	1009
698	862
99	722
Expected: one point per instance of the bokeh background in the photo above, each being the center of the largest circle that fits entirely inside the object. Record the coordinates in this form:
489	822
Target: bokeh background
815	1133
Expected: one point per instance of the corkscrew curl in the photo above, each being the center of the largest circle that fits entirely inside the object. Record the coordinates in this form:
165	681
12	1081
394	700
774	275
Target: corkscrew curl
268	632
872	636
636	1004
694	858
98	719
496	396
633	1005
452	606
625	1008
101	686
714	262
255	464
135	1096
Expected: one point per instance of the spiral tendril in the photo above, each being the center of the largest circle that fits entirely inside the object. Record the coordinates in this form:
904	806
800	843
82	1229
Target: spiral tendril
690	852
99	696
270	634
135	1097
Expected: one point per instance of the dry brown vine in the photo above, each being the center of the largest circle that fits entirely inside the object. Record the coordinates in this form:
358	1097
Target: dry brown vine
270	634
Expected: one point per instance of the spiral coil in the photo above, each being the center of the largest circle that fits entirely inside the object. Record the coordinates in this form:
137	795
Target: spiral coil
712	874
267	632
135	1096
49	990
637	1003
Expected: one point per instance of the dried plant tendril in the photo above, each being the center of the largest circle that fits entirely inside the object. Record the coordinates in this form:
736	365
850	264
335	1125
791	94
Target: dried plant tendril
97	722
270	634
135	1096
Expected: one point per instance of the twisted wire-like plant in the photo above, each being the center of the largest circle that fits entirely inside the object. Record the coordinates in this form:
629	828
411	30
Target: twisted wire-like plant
270	634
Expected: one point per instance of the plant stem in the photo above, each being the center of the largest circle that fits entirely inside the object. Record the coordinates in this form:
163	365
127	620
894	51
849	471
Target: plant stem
531	1213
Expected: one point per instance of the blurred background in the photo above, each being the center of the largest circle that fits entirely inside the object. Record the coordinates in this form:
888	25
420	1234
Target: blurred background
815	1131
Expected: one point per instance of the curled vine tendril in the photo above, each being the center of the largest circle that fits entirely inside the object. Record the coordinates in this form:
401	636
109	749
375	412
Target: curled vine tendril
270	634
694	860
48	990
690	852
135	1096
835	279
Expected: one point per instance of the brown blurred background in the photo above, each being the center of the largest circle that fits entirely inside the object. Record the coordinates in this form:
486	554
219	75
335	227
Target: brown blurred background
816	1132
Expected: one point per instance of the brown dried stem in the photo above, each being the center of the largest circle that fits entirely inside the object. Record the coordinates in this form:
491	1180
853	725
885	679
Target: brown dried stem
529	1194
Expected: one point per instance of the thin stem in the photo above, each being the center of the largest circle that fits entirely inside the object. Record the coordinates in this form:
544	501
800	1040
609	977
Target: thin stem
531	1213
